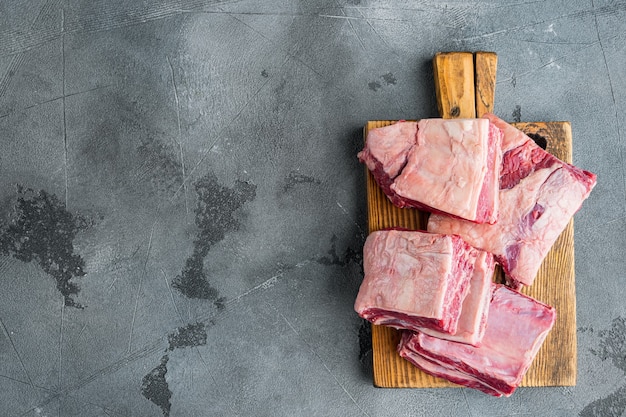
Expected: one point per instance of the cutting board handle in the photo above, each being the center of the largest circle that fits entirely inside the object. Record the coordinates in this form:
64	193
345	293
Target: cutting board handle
465	83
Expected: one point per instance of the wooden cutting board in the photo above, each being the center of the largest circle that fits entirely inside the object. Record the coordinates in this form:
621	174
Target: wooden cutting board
465	86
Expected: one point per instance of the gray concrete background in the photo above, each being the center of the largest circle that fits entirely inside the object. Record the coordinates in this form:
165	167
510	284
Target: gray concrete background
183	212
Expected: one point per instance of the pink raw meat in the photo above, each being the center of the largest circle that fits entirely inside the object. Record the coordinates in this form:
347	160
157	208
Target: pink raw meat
441	370
517	325
440	165
475	308
414	279
538	196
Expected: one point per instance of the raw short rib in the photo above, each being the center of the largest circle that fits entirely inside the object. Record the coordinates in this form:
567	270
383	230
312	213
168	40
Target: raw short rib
475	308
517	325
415	279
437	165
538	196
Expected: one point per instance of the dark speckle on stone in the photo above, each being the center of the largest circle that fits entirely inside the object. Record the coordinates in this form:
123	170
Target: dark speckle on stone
584	329
365	340
539	140
154	387
160	164
613	344
389	78
41	229
215	209
214	218
612	405
353	256
613	347
220	303
189	336
264	74
374	85
192	281
295	178
517	114
350	256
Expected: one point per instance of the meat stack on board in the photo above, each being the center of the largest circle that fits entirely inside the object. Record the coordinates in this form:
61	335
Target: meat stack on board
438	165
494	194
538	196
422	281
516	327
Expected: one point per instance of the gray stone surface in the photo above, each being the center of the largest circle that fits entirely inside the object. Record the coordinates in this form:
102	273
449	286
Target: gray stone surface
183	211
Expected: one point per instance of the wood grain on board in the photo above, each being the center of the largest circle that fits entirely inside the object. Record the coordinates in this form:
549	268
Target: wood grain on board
485	66
555	364
454	72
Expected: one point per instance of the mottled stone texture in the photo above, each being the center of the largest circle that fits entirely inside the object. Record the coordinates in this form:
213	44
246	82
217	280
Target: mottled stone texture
182	211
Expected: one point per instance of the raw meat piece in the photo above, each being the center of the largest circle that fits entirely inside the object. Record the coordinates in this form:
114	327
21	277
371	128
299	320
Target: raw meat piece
473	317
414	279
538	196
517	325
448	166
441	370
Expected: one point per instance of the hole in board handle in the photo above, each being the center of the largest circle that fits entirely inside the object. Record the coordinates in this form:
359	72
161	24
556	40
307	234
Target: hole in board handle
539	140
